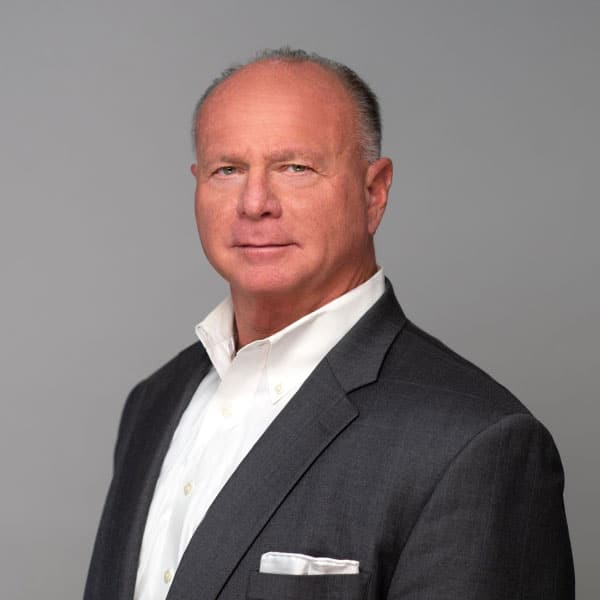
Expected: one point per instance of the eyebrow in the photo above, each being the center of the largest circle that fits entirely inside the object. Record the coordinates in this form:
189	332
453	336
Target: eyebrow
279	155
288	154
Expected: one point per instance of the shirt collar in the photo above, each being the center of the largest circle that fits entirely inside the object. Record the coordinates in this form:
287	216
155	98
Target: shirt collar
293	352
217	336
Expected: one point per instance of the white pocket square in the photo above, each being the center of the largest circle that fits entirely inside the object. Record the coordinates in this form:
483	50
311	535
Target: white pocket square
286	563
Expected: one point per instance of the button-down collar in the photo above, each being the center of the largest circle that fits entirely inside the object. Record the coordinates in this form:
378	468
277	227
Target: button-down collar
288	356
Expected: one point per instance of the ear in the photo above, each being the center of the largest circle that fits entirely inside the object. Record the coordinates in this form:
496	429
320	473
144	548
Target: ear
194	170
378	182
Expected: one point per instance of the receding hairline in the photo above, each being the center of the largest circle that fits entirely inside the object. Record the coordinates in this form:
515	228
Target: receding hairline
361	97
286	64
329	80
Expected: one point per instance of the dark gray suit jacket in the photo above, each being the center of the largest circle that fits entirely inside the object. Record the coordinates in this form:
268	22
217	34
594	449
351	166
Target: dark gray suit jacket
395	452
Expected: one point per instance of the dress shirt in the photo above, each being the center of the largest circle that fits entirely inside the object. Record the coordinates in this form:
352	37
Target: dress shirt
238	399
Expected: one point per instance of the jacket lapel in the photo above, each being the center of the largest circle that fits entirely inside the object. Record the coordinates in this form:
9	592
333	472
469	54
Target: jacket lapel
318	413
304	428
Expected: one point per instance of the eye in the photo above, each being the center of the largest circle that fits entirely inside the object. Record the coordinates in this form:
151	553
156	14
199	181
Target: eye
228	170
295	168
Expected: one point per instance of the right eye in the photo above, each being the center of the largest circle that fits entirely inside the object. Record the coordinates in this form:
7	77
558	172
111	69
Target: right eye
227	170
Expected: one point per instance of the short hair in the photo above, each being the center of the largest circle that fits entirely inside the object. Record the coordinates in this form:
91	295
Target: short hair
365	100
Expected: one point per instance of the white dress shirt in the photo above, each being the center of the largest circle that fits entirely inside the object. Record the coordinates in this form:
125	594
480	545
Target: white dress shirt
237	400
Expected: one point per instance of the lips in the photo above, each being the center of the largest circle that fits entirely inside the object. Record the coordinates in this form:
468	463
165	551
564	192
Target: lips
261	241
265	245
263	250
253	240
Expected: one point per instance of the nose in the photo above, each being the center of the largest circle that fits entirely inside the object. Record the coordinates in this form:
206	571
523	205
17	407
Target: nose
257	199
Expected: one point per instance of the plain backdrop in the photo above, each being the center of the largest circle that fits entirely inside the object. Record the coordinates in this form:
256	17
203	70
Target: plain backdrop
491	114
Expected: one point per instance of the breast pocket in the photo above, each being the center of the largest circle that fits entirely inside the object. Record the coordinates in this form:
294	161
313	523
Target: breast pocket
267	586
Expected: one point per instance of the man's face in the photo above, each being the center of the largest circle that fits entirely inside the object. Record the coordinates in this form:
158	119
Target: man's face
285	206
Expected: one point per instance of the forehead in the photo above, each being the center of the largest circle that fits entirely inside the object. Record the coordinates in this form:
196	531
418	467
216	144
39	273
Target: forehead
278	103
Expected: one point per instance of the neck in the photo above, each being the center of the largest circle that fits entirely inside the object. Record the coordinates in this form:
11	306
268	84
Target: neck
259	316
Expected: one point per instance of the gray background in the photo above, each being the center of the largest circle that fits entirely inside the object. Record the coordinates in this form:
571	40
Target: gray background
491	116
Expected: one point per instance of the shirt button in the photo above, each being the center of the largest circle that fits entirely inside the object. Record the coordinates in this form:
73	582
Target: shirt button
168	576
187	488
278	388
226	411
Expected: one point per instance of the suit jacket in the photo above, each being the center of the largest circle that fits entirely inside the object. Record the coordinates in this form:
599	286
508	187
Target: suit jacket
395	452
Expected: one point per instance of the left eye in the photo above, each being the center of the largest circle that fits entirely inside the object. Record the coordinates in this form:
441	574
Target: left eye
296	168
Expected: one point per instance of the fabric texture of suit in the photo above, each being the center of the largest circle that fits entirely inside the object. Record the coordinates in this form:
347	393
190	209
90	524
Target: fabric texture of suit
395	452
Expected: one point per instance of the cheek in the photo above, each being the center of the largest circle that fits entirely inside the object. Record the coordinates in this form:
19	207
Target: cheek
211	216
202	220
344	217
331	234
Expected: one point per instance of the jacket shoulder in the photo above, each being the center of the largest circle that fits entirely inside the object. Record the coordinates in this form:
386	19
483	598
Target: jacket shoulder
188	359
421	375
140	400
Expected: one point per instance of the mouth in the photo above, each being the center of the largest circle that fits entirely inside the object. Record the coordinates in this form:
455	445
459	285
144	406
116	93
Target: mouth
266	250
258	246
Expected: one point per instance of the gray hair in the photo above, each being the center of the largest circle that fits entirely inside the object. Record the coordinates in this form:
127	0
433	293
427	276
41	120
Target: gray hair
364	98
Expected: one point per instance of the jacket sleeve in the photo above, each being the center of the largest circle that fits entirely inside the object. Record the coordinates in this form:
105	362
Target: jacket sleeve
97	581
494	526
128	421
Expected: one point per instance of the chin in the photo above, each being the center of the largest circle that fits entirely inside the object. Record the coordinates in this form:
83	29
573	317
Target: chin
273	283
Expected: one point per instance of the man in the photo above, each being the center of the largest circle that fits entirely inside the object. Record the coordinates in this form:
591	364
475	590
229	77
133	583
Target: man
315	443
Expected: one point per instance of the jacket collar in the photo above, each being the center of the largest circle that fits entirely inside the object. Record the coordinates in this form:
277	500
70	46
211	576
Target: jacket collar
357	358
